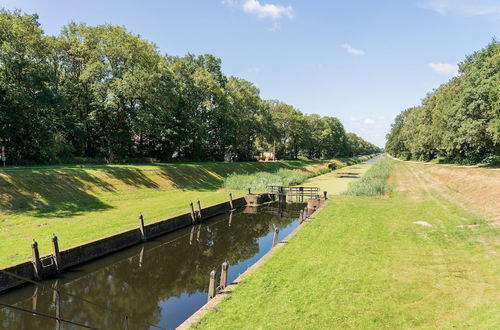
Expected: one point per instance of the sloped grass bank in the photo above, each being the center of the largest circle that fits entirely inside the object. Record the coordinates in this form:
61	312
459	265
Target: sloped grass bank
82	204
284	177
363	263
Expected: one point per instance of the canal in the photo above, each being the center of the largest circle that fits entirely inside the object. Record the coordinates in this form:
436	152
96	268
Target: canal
159	283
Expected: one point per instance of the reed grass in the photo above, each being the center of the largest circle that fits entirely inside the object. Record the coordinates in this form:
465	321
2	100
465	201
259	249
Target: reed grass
373	183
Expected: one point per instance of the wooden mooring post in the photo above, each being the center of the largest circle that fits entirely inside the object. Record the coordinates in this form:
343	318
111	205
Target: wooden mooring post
200	217
35	257
211	286
223	275
57	254
141	227
275	237
193	215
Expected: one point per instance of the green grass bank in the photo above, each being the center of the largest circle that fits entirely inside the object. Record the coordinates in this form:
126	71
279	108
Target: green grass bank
82	203
411	260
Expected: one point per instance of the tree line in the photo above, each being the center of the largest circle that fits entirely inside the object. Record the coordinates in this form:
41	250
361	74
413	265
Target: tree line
460	120
102	92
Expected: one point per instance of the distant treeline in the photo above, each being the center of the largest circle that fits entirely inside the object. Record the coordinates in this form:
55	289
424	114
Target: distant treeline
460	120
102	92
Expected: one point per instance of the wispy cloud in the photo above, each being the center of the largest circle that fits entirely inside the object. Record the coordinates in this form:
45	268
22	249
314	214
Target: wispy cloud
276	27
447	69
262	10
352	50
368	121
254	69
463	7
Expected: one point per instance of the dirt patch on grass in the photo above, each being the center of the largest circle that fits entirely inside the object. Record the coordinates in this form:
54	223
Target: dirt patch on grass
423	223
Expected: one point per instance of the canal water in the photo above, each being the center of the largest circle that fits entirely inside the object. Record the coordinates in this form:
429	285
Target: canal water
161	282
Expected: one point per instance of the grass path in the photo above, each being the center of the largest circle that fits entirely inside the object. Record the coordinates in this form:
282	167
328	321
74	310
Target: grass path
337	181
364	263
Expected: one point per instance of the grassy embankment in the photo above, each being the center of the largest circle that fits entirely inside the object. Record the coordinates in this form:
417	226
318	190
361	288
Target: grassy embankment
284	177
79	204
414	259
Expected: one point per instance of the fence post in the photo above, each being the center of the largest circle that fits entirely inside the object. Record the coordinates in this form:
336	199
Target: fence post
199	210
36	260
231	201
249	191
211	285
325	195
223	275
193	215
141	227
57	255
275	237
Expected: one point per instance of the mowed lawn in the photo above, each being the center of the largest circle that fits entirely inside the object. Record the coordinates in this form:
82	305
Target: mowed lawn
365	263
79	204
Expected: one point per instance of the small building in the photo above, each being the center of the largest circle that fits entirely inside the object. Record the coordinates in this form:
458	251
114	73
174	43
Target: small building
266	156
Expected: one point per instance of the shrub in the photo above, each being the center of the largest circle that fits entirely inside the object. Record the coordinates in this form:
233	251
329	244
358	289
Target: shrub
373	183
332	166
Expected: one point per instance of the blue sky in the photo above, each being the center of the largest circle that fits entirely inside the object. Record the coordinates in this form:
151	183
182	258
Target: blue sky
360	61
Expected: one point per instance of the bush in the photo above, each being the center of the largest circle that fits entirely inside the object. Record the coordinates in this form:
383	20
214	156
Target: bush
492	160
373	183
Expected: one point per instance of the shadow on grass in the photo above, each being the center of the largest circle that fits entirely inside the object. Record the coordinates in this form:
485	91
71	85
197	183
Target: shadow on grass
210	176
51	194
132	177
69	192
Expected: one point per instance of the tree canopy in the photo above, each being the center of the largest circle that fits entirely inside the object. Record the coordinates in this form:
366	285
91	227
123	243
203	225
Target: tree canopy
460	120
103	92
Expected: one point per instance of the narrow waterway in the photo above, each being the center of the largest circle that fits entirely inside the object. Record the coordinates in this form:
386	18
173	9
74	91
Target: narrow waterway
161	282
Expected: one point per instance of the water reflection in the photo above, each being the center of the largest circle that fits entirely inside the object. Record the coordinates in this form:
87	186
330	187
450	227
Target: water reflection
160	282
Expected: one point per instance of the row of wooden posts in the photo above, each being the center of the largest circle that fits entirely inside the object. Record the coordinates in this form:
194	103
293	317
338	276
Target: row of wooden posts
37	261
196	217
212	289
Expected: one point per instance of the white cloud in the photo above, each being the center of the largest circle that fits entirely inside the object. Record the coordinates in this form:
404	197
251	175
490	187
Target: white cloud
352	50
368	121
463	7
447	69
352	118
262	10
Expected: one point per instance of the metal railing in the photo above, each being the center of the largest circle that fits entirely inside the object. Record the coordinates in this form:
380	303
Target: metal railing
294	193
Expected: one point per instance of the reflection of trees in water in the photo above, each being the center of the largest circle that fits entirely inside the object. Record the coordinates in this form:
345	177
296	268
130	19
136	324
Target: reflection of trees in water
137	284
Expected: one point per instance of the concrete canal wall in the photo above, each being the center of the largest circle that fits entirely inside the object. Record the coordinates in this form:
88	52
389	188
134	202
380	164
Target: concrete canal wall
46	266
